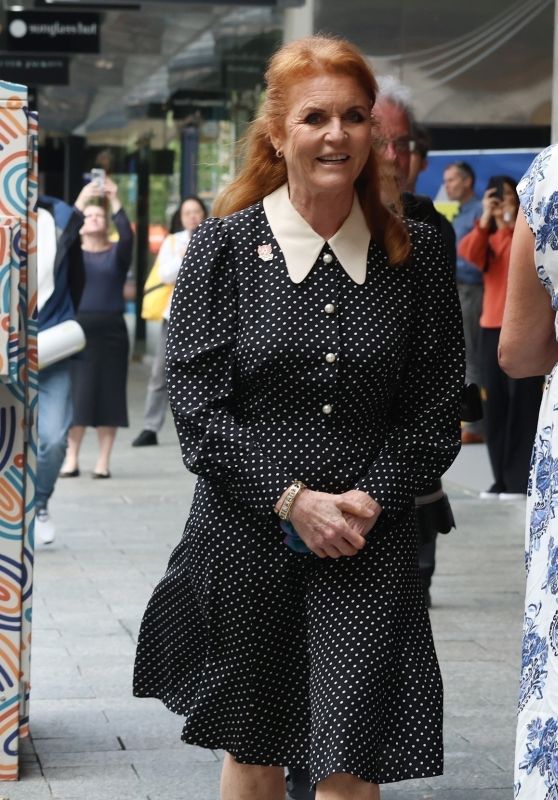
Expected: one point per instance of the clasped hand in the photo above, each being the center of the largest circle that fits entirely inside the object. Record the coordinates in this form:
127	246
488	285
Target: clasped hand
334	525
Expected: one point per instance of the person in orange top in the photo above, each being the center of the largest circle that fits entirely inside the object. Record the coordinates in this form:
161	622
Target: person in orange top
510	406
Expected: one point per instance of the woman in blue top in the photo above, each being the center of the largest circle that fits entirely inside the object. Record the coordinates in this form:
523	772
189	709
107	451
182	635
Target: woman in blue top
99	376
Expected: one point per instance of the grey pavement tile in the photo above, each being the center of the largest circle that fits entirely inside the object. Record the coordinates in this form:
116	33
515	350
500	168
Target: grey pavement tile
64	722
118	671
491	627
131	624
508	650
462	650
25	789
68	706
120	611
453	740
46	638
75	744
490	729
109	779
444	632
149	764
472	794
58	690
120	598
108	690
93	794
418	788
201	782
117	646
503	756
165	740
160	724
461	770
396	793
86	758
55	663
62	600
73	624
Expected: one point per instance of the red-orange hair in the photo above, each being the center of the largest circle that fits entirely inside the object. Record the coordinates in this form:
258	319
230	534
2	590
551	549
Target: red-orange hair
263	172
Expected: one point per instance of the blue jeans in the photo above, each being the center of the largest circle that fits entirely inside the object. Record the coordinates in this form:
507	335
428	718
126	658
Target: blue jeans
55	419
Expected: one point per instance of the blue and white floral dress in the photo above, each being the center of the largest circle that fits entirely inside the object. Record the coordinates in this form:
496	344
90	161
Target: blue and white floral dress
536	765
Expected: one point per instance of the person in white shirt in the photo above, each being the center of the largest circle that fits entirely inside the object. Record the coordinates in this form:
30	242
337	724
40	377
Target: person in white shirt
184	222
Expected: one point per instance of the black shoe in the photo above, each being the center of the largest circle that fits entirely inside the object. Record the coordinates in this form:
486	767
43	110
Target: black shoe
145	438
73	473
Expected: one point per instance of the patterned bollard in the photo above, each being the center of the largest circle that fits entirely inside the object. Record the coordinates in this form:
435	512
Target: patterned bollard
18	404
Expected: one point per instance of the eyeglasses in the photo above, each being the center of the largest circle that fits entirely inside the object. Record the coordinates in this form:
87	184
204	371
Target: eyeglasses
402	145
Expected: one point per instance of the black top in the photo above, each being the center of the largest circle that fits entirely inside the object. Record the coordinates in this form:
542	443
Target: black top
105	272
422	209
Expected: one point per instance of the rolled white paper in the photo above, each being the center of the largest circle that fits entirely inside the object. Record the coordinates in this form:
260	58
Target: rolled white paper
59	342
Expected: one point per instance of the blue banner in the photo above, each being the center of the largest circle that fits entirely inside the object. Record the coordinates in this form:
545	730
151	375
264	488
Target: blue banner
484	163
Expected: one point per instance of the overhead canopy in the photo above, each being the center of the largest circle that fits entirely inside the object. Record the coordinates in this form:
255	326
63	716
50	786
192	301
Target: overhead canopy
147	51
476	62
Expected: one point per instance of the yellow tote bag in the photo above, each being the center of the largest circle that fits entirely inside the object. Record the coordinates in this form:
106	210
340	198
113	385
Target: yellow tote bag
156	294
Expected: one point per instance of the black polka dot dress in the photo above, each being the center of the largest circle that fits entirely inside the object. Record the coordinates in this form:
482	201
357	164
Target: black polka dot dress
279	657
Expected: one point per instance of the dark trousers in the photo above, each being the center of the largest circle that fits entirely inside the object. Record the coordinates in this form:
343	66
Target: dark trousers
511	410
427	561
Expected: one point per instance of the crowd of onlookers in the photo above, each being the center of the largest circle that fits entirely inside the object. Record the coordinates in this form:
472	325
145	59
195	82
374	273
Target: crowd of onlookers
83	270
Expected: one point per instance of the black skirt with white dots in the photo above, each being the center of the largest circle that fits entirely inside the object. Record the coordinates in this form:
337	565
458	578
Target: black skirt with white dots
280	657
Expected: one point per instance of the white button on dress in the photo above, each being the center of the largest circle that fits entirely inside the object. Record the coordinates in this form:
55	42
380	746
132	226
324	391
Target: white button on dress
327	409
331	358
328	258
329	308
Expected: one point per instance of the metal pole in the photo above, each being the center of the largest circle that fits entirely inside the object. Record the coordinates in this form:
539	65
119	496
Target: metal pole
554	130
189	157
299	22
142	229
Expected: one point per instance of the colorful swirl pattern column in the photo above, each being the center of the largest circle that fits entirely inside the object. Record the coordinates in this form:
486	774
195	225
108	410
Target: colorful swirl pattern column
18	406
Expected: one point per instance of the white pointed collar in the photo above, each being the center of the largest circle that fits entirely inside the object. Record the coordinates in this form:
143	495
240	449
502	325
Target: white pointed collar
301	245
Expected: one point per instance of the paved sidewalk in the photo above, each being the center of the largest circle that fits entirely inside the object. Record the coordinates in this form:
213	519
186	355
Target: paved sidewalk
91	740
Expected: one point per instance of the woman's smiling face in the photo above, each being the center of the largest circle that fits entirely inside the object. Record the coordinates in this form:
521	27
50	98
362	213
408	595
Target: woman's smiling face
326	138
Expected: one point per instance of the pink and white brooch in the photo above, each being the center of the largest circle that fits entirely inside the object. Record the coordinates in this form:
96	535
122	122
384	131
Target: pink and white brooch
265	252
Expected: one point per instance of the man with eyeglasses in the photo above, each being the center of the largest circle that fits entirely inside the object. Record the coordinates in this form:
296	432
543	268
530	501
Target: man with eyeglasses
395	139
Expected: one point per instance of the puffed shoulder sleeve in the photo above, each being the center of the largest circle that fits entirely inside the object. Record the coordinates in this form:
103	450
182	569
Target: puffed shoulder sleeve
200	361
537	183
538	195
423	437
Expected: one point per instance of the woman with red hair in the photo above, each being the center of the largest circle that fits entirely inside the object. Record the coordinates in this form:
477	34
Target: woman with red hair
315	366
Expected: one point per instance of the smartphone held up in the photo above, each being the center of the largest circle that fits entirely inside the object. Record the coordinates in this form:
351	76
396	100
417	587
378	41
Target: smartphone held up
98	176
496	182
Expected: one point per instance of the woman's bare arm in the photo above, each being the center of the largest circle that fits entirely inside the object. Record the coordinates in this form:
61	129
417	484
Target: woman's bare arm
528	341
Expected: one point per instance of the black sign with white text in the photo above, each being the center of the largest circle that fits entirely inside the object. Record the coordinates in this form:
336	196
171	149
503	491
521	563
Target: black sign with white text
35	70
47	32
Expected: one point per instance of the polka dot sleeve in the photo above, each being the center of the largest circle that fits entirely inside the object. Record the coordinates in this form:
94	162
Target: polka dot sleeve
200	375
424	439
